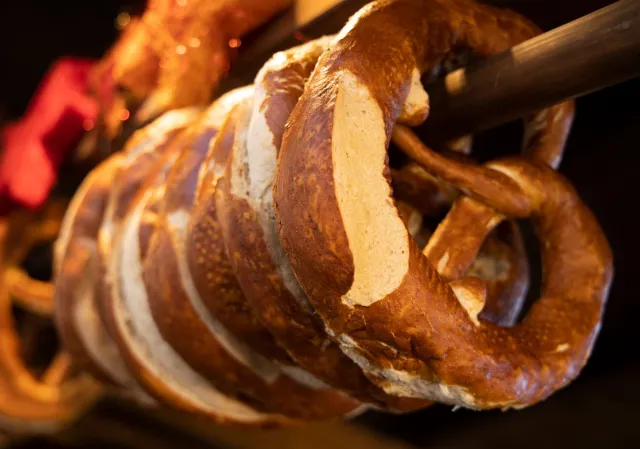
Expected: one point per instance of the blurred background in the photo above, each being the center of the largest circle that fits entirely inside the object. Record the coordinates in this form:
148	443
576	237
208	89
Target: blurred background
600	409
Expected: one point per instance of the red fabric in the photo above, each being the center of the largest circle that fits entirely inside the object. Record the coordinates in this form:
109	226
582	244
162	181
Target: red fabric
35	146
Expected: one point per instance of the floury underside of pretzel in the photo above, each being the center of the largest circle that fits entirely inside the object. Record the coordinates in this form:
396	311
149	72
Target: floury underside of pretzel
257	262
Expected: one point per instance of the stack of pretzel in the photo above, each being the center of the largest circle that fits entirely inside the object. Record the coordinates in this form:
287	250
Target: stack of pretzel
258	261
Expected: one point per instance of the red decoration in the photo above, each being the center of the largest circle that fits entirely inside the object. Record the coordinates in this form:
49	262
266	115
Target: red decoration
35	147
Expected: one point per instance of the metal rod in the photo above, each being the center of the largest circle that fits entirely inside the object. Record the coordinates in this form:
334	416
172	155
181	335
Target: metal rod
596	51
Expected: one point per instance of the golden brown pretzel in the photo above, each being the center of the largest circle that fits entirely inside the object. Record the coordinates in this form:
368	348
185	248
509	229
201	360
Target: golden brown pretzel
134	166
25	230
82	286
182	49
32	403
103	226
207	257
172	56
377	294
569	232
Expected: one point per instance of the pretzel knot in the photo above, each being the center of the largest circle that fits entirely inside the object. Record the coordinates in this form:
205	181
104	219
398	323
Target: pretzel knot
410	330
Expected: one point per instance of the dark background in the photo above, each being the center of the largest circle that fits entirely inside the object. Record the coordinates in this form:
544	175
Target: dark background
602	160
33	33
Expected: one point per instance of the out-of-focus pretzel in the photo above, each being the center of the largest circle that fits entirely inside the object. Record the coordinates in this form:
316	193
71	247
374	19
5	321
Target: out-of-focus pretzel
171	57
32	402
26	230
414	332
182	47
84	248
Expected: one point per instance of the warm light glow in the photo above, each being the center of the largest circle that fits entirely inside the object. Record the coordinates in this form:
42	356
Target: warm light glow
87	124
181	2
122	20
194	42
125	114
181	49
235	43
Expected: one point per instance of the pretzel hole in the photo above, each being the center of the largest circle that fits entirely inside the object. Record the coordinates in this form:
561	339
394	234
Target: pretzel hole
498	142
466	245
38	262
532	248
486	265
38	340
498	262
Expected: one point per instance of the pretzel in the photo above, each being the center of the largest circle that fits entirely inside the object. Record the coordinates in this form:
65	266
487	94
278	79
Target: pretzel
270	289
82	285
172	56
133	167
30	402
181	48
410	330
25	231
246	218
